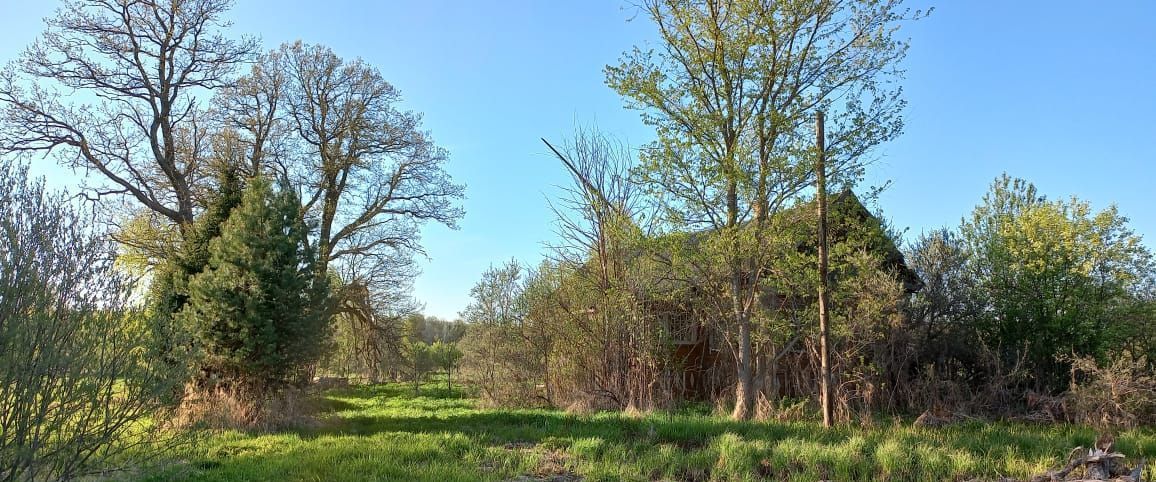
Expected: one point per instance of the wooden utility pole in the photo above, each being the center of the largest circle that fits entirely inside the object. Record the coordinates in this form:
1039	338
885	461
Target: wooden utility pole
824	317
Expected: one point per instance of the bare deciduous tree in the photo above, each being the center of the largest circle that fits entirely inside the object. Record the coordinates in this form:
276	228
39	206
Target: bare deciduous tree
369	175
132	72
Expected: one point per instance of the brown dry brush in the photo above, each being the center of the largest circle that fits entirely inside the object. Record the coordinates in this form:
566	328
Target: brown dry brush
1121	393
605	347
604	352
265	410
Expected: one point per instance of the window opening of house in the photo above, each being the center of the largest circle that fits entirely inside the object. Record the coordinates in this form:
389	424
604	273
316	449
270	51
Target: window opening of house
681	327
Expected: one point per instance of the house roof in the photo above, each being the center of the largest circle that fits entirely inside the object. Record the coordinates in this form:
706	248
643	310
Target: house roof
848	218
846	208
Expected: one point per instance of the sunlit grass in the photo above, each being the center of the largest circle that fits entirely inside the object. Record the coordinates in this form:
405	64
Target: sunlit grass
385	432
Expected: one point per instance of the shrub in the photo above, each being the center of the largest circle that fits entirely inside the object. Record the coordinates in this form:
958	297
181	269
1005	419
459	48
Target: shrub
1119	394
74	383
500	363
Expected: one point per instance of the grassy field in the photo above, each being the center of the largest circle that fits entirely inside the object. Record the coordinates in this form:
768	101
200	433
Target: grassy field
386	433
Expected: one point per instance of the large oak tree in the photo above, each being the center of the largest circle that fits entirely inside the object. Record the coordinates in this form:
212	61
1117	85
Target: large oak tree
116	88
368	174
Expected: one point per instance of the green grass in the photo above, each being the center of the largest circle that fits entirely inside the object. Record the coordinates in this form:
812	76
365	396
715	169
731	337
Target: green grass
385	433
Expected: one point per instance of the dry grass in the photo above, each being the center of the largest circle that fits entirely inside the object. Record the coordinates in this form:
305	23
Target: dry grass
220	409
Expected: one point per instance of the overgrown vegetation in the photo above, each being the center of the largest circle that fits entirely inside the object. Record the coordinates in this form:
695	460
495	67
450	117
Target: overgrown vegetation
731	91
273	204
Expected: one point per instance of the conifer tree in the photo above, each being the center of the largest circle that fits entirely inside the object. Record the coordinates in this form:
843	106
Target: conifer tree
169	291
257	310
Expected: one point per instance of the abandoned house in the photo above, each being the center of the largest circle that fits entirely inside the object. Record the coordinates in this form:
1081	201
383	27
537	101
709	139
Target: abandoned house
701	363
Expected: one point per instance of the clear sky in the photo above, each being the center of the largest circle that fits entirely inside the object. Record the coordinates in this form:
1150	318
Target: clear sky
1059	92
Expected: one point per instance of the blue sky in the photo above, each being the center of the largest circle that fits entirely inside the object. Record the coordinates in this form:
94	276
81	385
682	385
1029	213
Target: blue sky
1056	91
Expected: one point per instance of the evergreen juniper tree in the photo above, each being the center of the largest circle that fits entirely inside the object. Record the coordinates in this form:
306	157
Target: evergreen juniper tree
257	310
168	292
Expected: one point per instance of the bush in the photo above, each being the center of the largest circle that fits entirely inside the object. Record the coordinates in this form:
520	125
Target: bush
500	363
74	383
1120	394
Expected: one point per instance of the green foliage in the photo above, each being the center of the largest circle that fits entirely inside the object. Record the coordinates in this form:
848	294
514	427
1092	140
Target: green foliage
145	241
259	311
446	357
169	290
497	296
940	259
368	330
500	355
732	91
421	359
76	385
432	329
1054	277
733	87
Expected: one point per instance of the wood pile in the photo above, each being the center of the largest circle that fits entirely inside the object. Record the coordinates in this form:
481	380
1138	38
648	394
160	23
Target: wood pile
1099	463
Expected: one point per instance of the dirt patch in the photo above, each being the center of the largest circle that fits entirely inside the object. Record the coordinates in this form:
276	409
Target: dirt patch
553	466
550	478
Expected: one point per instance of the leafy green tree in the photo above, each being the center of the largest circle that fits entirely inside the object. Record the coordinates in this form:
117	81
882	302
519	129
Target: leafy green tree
431	329
732	91
421	361
497	297
260	313
446	356
1054	276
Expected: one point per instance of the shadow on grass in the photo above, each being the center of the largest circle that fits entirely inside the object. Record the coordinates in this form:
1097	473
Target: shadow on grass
326	405
450	412
386	431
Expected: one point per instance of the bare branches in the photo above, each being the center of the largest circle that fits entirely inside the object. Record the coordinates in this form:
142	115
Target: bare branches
137	68
369	175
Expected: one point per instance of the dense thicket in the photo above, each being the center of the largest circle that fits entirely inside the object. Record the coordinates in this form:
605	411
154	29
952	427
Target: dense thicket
1026	287
1029	303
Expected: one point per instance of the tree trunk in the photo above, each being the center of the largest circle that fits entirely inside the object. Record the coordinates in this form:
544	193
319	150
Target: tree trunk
744	388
